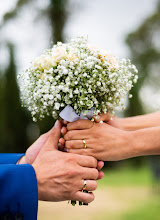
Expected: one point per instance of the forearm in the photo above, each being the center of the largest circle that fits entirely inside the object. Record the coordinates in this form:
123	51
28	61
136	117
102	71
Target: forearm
140	122
146	141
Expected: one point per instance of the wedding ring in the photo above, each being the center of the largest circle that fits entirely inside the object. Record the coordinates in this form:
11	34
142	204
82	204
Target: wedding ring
85	185
85	145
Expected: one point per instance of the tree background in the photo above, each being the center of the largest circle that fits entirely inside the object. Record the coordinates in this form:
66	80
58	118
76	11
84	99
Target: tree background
17	131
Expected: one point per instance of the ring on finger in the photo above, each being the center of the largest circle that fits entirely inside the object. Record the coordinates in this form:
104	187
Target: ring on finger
85	145
85	185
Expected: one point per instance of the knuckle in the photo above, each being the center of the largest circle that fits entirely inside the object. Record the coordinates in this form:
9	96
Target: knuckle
71	172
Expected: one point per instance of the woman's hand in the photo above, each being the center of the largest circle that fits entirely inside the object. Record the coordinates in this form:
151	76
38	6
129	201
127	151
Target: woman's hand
131	123
110	119
104	142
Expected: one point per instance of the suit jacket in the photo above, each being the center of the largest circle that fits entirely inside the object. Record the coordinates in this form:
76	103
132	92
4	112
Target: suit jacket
18	189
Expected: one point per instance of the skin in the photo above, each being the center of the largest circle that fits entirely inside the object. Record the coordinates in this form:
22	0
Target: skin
131	123
54	182
109	143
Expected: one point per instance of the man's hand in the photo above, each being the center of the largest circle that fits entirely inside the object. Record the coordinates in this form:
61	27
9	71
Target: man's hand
34	149
60	175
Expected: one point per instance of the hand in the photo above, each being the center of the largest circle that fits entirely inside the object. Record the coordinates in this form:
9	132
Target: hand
60	175
104	142
62	148
34	149
110	119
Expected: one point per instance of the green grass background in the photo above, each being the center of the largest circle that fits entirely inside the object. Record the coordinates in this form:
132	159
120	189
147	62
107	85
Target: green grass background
123	194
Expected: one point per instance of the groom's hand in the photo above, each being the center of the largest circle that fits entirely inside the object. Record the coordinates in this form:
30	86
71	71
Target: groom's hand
33	151
60	175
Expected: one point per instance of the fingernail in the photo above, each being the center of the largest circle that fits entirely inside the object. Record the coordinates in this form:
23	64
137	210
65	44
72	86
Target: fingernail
56	124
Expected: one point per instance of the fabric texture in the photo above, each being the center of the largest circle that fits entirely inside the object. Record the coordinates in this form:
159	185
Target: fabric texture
18	189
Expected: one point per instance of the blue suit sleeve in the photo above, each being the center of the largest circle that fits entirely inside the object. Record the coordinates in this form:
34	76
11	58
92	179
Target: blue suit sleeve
10	158
18	190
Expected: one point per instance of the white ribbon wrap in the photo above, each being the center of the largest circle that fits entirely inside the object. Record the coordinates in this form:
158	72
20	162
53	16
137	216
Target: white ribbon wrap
70	115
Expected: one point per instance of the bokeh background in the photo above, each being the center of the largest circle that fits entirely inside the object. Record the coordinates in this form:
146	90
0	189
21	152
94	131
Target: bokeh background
131	29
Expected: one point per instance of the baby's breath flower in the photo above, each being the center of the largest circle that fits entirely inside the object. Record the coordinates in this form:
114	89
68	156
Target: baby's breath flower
79	75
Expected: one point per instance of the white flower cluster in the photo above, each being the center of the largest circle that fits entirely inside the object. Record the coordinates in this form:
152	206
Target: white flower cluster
79	75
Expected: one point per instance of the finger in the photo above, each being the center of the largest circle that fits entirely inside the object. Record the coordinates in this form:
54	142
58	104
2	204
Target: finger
39	143
62	141
91	185
84	197
80	125
103	117
89	173
100	175
64	130
77	135
64	122
42	139
77	144
100	165
83	152
86	161
53	139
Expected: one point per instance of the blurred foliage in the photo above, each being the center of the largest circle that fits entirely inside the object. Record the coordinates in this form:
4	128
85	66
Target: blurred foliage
144	47
13	12
16	125
145	53
13	118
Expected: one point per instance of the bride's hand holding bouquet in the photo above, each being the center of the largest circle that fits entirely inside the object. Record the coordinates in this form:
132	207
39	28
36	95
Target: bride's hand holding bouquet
76	81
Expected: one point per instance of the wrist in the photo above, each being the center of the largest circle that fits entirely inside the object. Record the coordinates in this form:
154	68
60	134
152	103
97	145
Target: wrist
136	143
41	192
117	123
146	142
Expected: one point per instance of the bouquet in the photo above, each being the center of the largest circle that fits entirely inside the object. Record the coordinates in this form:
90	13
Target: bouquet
77	78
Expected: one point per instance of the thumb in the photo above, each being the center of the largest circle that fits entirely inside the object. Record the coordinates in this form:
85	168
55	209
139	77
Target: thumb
53	139
103	117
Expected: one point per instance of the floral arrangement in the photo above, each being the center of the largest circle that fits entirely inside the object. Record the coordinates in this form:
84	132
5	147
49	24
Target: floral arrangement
77	75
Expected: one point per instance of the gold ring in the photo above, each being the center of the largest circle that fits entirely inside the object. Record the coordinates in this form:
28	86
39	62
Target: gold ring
85	145
85	185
